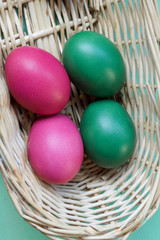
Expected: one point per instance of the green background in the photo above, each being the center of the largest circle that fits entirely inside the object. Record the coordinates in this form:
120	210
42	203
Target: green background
14	227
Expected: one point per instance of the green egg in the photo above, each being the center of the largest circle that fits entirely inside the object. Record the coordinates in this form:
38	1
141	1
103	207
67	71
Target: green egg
94	64
108	133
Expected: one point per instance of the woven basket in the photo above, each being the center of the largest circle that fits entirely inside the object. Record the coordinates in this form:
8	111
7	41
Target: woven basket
98	203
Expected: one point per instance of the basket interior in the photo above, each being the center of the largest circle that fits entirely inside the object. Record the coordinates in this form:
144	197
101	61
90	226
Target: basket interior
98	203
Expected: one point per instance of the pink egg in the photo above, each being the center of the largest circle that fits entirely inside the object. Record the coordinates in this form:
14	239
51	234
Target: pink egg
55	149
37	80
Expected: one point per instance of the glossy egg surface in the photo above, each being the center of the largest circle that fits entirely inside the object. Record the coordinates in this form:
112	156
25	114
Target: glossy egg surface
55	149
37	80
94	64
108	133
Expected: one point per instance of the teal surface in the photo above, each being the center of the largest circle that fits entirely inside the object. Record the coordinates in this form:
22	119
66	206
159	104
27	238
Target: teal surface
14	227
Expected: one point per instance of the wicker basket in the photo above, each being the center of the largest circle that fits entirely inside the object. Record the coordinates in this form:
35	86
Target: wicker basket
98	203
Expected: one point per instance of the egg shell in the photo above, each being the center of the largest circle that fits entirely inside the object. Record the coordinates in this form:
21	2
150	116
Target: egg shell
37	80
55	149
108	133
94	64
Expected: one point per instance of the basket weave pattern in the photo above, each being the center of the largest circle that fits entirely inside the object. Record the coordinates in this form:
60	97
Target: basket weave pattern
98	203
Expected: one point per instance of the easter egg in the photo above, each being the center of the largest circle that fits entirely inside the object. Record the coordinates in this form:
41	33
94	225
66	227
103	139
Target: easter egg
37	80
108	133
94	64
55	149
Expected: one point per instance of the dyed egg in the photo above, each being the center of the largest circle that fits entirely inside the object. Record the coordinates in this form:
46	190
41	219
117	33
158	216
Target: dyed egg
37	80
108	133
94	64
55	149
